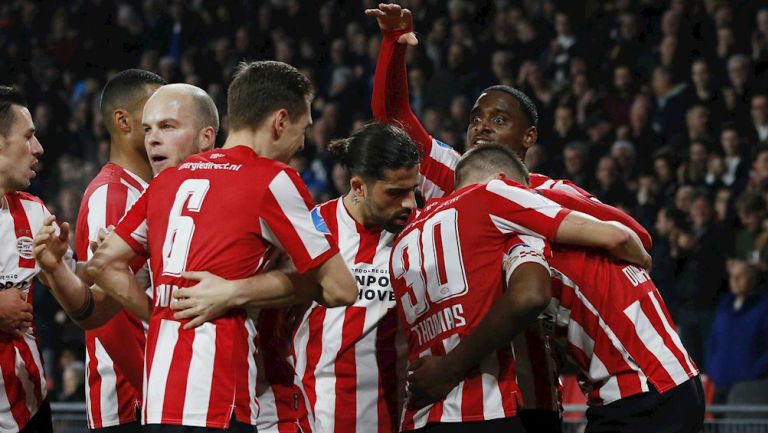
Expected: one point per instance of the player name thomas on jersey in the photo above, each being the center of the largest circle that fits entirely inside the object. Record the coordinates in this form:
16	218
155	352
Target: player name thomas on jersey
442	293
225	212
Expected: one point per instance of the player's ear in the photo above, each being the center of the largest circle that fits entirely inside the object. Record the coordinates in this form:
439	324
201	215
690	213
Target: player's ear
529	139
279	123
357	186
207	138
122	120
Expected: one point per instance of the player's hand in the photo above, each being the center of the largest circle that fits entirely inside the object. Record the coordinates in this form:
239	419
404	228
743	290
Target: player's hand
429	380
392	17
103	233
15	312
50	247
203	302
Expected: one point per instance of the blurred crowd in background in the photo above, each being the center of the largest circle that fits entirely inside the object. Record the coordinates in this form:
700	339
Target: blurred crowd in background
657	107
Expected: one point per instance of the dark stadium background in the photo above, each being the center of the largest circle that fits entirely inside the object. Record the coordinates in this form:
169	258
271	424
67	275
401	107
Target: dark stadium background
656	107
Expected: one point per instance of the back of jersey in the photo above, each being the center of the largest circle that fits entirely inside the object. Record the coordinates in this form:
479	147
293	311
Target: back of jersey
446	270
619	330
223	212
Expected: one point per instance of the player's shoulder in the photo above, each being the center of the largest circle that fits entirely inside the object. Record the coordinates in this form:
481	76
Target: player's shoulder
504	184
25	196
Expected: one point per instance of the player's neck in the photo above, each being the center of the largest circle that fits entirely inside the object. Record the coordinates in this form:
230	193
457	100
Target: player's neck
136	162
356	210
259	141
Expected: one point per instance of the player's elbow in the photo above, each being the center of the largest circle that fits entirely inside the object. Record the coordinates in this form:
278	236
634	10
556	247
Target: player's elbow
342	294
538	297
617	237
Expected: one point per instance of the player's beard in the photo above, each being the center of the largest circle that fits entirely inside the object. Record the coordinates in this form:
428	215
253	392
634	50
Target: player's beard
383	220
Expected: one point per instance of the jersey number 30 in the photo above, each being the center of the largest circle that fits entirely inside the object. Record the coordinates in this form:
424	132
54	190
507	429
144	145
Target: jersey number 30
189	197
442	264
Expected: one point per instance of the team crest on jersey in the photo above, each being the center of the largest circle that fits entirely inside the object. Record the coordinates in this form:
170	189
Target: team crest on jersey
24	247
319	222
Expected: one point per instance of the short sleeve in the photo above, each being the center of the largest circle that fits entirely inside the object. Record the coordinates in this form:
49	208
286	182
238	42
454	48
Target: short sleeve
133	227
514	208
287	223
519	252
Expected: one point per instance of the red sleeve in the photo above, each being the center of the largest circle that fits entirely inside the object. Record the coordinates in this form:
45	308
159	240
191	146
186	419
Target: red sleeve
598	210
541	182
390	104
133	227
287	222
520	210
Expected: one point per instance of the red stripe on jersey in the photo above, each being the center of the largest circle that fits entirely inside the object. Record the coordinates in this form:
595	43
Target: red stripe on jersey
506	379
346	370
176	384
439	174
386	358
94	378
21	226
539	358
316	317
13	388
32	370
472	392
368	244
117	196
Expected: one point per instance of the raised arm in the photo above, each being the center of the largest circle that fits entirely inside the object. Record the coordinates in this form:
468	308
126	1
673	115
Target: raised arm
390	102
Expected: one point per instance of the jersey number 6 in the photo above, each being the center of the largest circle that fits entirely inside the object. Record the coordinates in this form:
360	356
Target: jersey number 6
178	237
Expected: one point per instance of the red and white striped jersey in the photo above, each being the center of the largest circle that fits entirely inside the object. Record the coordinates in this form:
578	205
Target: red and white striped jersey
441	296
282	407
617	327
22	378
115	351
224	212
350	360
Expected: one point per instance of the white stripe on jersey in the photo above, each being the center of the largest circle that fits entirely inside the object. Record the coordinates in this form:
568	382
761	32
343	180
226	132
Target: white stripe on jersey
200	375
29	391
524	198
430	189
654	342
609	390
671	331
253	371
325	383
290	202
109	404
444	154
505	226
368	375
452	402
7	423
300	342
167	336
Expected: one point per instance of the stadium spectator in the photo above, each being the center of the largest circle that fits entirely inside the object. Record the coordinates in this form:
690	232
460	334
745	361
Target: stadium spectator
737	348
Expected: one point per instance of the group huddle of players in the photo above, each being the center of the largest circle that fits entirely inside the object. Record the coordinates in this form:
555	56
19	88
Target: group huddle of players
225	300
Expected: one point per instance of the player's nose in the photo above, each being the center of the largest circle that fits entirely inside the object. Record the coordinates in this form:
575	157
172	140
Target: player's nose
409	202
